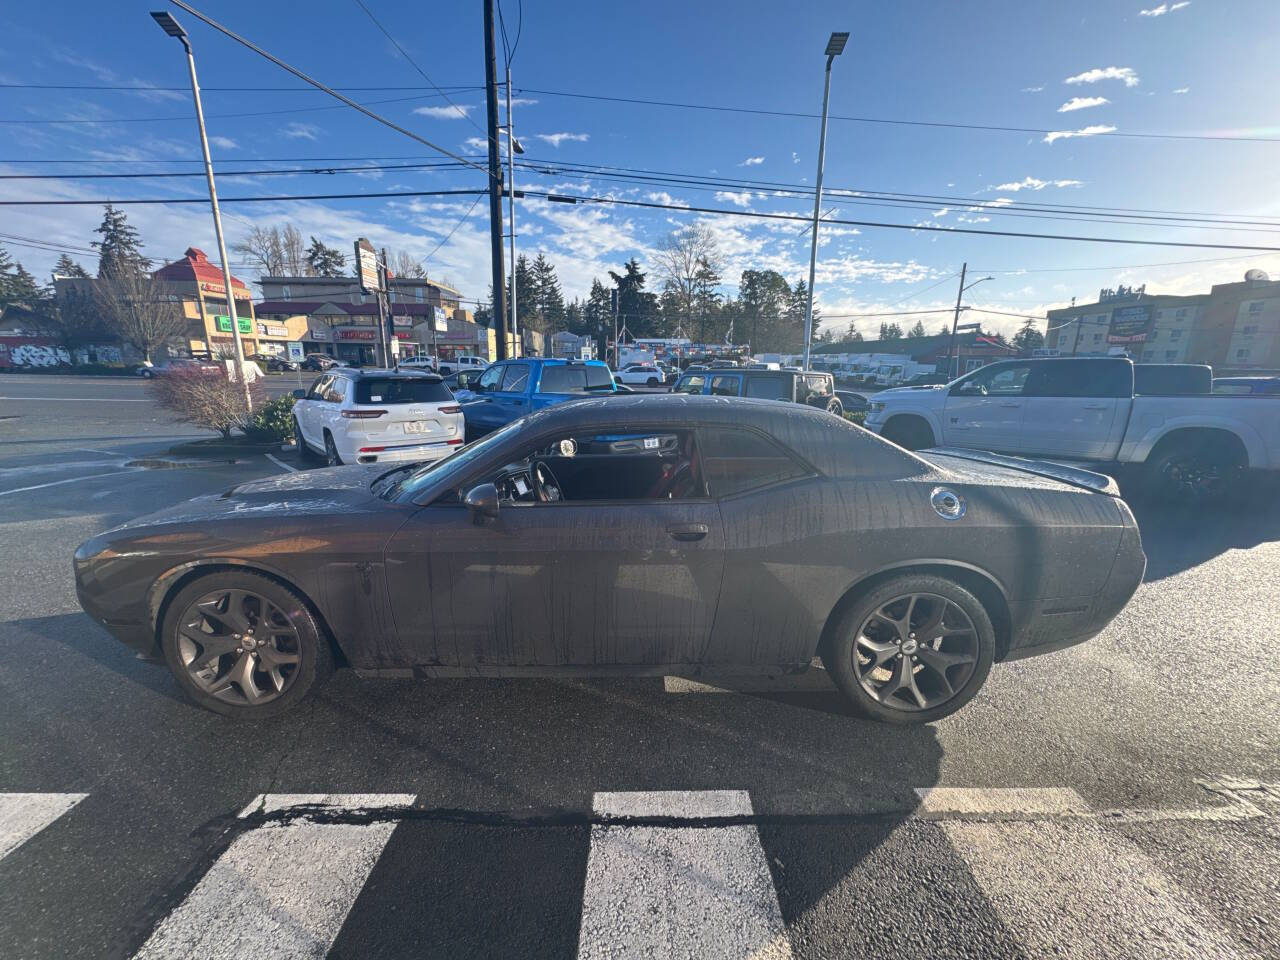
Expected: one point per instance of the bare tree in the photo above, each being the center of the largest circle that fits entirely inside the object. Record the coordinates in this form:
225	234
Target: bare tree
207	399
684	260
294	252
278	252
140	310
405	264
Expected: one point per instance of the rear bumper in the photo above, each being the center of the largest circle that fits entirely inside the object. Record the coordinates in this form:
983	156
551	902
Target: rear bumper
408	453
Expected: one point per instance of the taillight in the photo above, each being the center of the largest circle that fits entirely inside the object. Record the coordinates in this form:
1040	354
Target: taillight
363	414
453	408
455	443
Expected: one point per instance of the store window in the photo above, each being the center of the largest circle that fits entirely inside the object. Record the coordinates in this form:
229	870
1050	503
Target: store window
1171	354
1175	334
1249	330
1256	306
1242	354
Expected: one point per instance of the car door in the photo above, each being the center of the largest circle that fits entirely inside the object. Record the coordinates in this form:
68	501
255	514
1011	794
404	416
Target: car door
331	418
307	410
985	409
481	413
726	385
1074	408
600	582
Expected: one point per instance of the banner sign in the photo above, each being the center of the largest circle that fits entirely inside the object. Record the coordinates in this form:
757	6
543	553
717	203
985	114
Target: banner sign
224	324
1130	324
441	320
367	267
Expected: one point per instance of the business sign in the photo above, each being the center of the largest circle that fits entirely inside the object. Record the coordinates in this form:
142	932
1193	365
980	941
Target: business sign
223	324
367	267
1130	324
295	350
355	334
441	320
272	330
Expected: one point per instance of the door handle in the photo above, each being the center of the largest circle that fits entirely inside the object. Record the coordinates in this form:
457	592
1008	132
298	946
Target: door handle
688	531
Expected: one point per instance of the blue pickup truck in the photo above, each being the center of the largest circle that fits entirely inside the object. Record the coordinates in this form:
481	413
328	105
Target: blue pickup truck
511	388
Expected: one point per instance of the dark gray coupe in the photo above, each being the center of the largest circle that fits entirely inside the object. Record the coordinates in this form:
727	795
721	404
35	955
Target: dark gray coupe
629	535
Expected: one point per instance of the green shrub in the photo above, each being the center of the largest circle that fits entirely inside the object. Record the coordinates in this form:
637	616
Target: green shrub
273	420
856	416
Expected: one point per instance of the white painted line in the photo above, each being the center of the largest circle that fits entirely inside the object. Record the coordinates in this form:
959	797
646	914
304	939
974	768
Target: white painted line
279	463
1074	890
282	889
23	815
1032	801
694	891
83	399
58	483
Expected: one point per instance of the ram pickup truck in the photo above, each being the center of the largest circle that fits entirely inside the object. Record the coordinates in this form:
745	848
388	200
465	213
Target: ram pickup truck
509	389
1189	447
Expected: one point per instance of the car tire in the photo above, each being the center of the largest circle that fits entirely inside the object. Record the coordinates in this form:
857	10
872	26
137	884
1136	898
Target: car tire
331	451
910	433
865	632
835	407
304	451
1193	472
299	636
651	382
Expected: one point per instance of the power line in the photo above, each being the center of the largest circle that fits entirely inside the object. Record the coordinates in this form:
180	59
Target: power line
463	219
313	196
146	88
430	165
1125	266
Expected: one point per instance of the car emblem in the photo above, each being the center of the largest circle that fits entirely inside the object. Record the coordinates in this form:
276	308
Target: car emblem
948	504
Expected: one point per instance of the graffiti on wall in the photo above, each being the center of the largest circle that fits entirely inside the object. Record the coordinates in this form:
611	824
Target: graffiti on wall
33	355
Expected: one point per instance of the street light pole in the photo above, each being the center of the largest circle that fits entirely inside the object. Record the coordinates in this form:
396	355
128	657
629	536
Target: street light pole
951	350
171	26
835	46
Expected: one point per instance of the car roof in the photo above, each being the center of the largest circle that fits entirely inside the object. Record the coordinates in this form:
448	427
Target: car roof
381	373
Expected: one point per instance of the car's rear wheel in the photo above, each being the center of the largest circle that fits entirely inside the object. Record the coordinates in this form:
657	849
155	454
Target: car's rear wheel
243	645
651	382
911	650
331	451
1194	472
834	406
910	433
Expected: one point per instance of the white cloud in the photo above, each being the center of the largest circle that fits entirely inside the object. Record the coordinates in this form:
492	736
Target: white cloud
665	198
521	102
795	157
1031	183
476	143
1082	103
555	139
1032	89
963	219
454	111
737	199
1164	8
1126	74
937	213
1092	131
224	143
1183	90
301	131
752	162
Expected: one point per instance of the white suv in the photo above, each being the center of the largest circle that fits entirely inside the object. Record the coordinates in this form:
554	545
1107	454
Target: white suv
377	416
640	374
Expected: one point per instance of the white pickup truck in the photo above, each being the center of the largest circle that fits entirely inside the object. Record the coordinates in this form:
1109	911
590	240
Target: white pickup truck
1184	447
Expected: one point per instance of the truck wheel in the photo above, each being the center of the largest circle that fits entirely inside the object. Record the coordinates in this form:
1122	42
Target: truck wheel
910	433
1194	472
835	407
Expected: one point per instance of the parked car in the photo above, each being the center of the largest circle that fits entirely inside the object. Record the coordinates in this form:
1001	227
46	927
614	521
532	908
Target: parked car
1248	386
1189	448
649	534
275	363
640	374
722	364
318	362
427	363
510	389
148	370
377	416
463	362
852	402
812	388
462	384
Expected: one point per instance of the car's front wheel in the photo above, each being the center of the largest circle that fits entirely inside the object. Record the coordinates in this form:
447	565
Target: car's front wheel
911	650
651	382
243	645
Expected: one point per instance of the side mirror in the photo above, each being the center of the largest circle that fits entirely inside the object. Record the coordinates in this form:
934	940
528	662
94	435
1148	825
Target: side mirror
482	501
300	394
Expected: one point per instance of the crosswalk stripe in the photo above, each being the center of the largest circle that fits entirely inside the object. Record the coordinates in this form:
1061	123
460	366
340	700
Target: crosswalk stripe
282	889
699	890
1074	889
23	815
1031	801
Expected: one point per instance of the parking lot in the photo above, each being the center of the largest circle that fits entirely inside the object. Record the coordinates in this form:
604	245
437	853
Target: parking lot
1121	798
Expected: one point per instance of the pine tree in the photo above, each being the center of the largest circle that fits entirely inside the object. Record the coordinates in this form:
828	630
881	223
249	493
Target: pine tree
636	309
550	299
325	261
944	330
21	288
6	275
1028	338
890	331
120	249
917	330
66	267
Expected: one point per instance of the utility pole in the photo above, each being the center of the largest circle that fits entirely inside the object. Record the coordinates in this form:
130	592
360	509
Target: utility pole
389	331
512	146
382	351
951	349
495	183
171	26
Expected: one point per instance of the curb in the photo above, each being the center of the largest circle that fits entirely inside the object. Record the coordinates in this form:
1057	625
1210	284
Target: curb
219	448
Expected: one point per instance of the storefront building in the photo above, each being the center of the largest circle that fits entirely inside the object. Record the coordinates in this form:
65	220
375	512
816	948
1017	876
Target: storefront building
200	287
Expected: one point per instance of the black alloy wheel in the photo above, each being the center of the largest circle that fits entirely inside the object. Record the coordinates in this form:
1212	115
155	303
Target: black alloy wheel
242	644
912	650
1192	475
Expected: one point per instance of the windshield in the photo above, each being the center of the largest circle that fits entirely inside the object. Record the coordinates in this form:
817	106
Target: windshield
407	484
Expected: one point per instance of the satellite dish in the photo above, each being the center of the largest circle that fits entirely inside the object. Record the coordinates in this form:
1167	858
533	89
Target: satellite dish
1256	276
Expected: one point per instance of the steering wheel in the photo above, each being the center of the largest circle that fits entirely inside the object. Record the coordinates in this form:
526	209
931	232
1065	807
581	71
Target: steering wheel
545	484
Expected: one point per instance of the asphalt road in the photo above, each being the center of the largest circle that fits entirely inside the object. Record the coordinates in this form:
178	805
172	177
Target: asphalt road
1119	799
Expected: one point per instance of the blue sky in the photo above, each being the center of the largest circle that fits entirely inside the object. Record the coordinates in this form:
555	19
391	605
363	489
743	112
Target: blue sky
1198	68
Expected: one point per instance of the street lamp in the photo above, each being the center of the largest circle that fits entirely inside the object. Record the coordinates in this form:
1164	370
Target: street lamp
174	29
835	47
951	349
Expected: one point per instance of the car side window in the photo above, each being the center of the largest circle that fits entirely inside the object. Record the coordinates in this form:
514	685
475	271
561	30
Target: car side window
337	390
691	384
516	377
736	460
766	388
1079	378
999	380
490	379
725	386
819	385
319	387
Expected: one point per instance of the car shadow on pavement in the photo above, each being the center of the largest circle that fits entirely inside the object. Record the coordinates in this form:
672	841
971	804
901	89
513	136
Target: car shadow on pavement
1178	538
